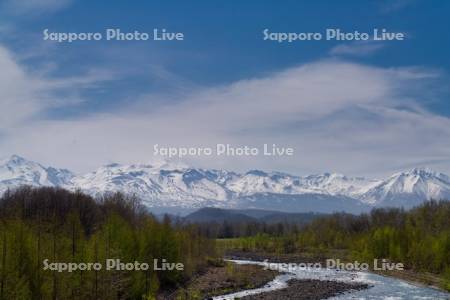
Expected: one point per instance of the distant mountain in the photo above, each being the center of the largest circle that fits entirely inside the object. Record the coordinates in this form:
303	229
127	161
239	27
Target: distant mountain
212	214
273	216
16	171
296	218
308	202
174	188
409	188
160	186
219	215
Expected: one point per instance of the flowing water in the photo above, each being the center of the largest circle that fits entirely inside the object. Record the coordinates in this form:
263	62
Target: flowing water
382	287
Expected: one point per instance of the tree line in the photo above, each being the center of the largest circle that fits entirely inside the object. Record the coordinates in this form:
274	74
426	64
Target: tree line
419	238
62	226
236	229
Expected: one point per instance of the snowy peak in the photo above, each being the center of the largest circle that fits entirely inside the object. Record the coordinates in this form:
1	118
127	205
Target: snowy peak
410	187
339	184
164	184
16	171
423	173
260	182
15	162
159	185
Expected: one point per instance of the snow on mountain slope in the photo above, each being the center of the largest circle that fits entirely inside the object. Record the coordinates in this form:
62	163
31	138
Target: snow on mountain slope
409	188
338	184
16	171
169	185
260	182
328	183
156	185
189	187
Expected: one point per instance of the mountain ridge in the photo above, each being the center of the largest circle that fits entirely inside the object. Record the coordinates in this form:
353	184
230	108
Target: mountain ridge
168	185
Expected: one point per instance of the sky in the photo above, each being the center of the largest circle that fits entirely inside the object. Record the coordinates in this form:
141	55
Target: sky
353	107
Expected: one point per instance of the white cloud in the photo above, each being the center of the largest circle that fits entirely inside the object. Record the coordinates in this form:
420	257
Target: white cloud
339	116
20	95
24	94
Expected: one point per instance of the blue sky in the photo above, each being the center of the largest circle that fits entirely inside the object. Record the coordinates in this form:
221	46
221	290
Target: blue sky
86	97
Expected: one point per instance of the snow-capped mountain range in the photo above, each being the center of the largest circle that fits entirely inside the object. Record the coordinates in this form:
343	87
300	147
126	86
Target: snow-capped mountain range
176	186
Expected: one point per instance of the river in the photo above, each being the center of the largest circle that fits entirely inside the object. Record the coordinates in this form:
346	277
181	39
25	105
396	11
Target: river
382	287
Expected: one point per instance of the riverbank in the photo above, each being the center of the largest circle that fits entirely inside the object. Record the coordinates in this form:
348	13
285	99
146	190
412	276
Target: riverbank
222	279
309	289
232	278
421	279
227	278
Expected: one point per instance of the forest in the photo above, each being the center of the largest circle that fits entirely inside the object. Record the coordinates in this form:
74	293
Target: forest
419	238
56	225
